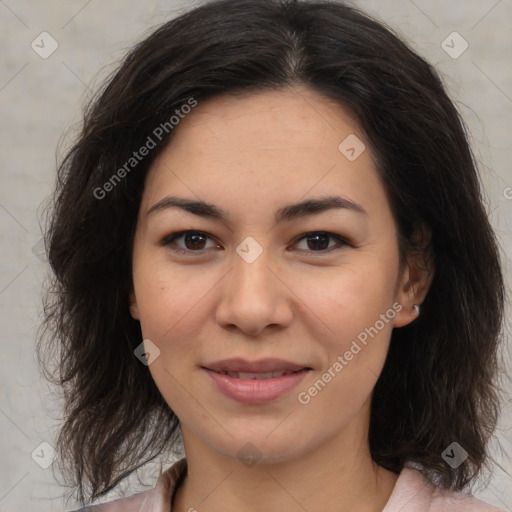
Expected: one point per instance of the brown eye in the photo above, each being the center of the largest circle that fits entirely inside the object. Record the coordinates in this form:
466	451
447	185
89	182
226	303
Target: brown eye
318	241
194	241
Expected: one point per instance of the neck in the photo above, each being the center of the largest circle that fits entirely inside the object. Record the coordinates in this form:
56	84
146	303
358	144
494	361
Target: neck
337	477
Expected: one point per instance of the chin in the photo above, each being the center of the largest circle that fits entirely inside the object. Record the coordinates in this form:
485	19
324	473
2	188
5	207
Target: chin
261	445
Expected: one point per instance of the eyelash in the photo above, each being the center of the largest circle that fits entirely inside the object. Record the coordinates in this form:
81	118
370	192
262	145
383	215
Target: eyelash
169	239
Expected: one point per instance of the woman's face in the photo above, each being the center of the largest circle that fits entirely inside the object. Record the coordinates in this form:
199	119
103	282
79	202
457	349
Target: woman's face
253	288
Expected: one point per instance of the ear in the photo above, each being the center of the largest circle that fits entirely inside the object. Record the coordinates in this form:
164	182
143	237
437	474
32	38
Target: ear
416	277
134	310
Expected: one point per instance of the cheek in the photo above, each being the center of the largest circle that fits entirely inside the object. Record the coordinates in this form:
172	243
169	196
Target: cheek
169	303
348	299
354	352
349	302
166	298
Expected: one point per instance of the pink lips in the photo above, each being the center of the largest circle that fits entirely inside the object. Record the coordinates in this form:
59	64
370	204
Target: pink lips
249	390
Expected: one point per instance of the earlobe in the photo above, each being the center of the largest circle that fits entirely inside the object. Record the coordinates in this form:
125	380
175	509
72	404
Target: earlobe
134	310
406	297
411	297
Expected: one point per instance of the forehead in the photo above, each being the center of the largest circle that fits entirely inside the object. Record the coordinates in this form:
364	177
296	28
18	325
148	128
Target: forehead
270	119
263	150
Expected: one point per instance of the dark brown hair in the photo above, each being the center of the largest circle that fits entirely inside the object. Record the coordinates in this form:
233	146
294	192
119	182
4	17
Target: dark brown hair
439	382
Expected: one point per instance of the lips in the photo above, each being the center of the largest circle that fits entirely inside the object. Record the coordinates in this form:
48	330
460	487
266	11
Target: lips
256	391
257	382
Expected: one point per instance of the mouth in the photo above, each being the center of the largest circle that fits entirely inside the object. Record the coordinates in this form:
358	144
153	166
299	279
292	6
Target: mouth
257	382
262	367
258	376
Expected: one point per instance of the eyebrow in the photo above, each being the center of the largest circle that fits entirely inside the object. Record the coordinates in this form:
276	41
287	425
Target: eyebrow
285	214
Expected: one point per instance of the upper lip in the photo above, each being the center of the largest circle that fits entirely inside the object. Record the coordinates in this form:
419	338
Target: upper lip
261	366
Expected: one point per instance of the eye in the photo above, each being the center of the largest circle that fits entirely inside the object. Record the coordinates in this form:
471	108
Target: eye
194	241
318	241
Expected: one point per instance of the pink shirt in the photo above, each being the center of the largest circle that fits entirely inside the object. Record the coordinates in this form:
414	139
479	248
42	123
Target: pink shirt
412	493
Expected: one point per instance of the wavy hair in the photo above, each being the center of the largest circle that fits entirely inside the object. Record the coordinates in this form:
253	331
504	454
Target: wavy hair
439	382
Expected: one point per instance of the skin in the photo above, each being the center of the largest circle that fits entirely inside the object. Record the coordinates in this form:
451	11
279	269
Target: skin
250	156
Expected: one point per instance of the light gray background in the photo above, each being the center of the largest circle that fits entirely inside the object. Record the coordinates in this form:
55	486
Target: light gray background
41	99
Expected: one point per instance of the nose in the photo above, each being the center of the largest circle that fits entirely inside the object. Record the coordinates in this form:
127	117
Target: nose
254	297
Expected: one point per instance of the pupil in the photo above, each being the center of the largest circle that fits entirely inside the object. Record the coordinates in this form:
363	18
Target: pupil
321	245
196	241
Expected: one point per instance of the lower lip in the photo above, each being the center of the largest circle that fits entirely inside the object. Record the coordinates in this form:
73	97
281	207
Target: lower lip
256	391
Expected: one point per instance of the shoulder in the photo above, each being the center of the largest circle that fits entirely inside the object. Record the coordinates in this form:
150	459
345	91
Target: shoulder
157	499
413	492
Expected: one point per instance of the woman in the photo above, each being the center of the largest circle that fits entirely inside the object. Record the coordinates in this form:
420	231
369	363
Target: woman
269	242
